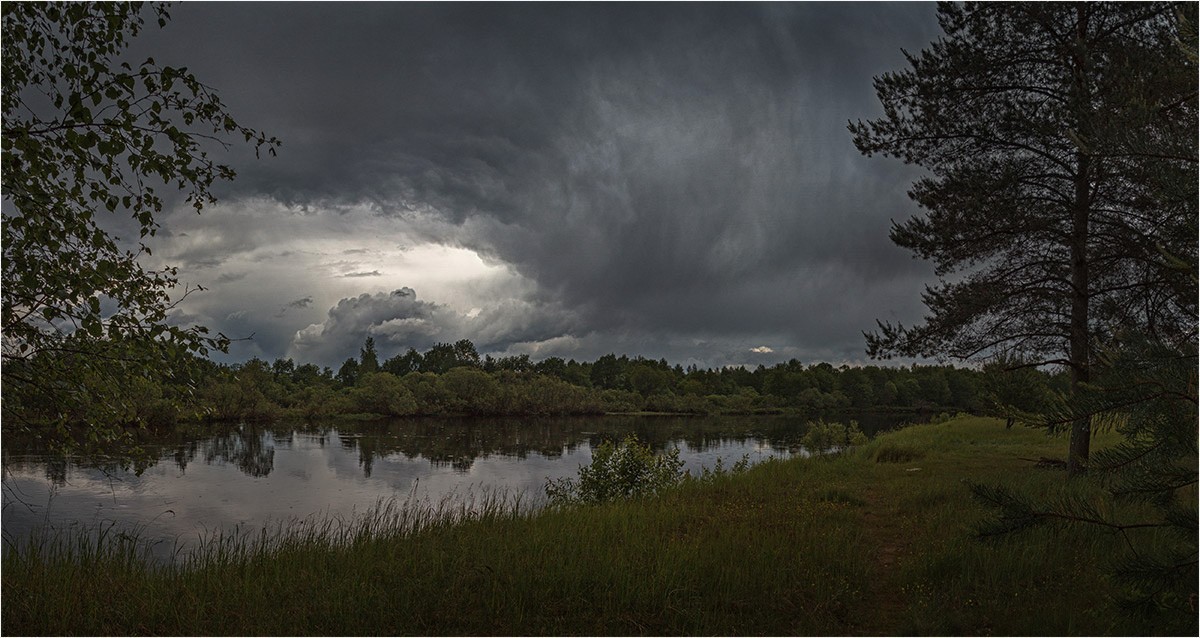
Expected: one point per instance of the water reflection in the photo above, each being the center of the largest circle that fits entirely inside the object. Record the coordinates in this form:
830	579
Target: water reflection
179	483
444	443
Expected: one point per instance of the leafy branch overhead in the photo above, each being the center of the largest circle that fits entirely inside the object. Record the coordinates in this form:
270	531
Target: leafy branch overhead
85	133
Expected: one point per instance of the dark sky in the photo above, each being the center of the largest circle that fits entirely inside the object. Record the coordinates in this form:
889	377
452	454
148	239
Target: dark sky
561	180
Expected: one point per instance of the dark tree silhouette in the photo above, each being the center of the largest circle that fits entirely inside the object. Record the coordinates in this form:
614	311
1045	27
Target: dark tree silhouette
368	360
1034	214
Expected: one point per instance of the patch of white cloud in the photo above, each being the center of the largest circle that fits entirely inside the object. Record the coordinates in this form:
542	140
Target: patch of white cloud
564	346
272	270
399	320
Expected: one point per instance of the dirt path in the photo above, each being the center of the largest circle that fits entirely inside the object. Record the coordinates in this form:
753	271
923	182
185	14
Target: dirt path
884	604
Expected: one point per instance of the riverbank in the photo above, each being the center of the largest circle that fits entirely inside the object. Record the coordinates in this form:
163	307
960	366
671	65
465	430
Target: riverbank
878	541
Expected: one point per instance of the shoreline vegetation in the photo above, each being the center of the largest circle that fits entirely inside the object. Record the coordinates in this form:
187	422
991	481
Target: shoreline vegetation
453	380
880	539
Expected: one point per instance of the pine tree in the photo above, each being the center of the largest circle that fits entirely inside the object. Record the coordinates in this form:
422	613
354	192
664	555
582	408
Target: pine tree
1144	378
1037	215
368	359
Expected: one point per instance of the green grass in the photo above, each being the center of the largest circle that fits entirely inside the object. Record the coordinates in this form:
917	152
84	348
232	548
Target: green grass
891	452
873	542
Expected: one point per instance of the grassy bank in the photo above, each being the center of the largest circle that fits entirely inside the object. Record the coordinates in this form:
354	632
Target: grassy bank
874	542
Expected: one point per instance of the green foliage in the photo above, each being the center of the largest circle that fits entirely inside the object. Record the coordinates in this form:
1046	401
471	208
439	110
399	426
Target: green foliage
1014	388
676	404
317	401
248	393
465	354
840	497
348	372
607	372
427	389
540	395
1142	382
1146	392
43	396
368	360
256	391
472	391
629	469
648	380
620	401
824	438
401	365
84	135
443	357
741	402
564	388
382	393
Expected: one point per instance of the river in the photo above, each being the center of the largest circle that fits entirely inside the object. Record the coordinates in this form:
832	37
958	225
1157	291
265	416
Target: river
190	482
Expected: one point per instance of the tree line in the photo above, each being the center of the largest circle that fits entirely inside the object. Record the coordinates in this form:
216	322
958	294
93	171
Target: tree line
452	379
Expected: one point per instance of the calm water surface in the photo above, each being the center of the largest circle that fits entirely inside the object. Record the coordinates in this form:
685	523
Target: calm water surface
194	481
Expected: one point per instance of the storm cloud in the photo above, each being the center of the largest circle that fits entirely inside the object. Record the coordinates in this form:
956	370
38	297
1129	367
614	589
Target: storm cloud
670	180
398	320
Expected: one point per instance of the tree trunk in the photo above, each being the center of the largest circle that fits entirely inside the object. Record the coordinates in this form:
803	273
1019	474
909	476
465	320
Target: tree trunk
1080	357
1081	430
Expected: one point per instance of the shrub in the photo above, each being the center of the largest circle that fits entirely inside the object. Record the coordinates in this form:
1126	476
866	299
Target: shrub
427	390
621	471
473	391
941	417
824	438
383	393
742	403
620	401
683	404
319	401
235	401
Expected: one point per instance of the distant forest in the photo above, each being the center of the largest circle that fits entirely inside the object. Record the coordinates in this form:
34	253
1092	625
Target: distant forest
452	379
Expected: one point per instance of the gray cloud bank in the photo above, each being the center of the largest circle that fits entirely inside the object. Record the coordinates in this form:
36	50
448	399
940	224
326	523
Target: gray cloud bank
398	320
674	178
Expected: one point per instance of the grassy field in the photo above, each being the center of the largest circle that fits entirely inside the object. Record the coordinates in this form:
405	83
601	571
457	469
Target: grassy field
878	541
